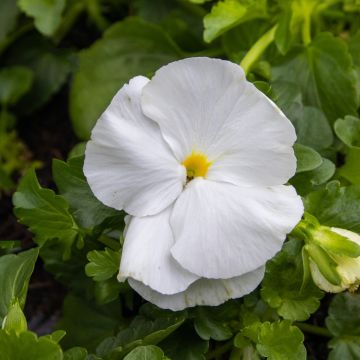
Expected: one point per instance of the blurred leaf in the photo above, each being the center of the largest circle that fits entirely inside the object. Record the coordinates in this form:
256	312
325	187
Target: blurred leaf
46	13
28	346
307	158
308	181
8	15
227	14
71	182
351	169
15	81
87	324
51	67
281	340
76	353
45	213
309	67
148	328
128	48
15	273
348	131
343	322
185	344
282	285
149	352
336	206
102	264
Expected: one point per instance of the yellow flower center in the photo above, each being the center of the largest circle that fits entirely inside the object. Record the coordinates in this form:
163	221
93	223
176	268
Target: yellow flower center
196	165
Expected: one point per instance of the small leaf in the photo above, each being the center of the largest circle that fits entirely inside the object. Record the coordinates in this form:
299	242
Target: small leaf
102	264
281	340
348	131
45	213
15	319
227	14
14	83
149	352
307	158
76	353
46	13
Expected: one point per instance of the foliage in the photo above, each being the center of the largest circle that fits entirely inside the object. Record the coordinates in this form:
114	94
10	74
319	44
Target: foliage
68	59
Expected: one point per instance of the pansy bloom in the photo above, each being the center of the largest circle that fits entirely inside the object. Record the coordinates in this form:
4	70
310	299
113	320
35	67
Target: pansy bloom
198	157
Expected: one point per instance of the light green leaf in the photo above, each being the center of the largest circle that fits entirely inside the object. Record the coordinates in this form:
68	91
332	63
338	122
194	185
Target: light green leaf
8	15
15	81
71	182
128	48
226	14
45	213
310	66
149	352
28	346
336	206
15	272
102	264
351	169
46	13
281	341
348	131
15	320
282	285
307	158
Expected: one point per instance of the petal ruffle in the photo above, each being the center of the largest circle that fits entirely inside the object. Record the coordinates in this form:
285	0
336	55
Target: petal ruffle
203	291
146	255
128	165
222	230
206	105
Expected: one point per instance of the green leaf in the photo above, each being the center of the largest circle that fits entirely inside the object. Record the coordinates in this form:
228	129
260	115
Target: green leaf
28	346
46	13
87	324
75	353
351	169
185	344
149	352
15	272
348	131
227	14
148	328
8	16
15	319
102	264
282	285
307	158
128	48
71	182
343	322
45	213
310	66
308	181
281	341
214	322
15	81
50	65
336	206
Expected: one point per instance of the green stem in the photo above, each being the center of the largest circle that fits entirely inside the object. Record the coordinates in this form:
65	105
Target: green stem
313	329
4	44
257	50
220	350
306	28
68	21
94	11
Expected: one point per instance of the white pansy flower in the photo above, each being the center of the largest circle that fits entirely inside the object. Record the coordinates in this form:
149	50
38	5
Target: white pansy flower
347	267
198	157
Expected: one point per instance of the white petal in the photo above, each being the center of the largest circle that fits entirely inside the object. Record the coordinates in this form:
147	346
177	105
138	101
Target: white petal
222	230
203	292
206	105
146	255
128	165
